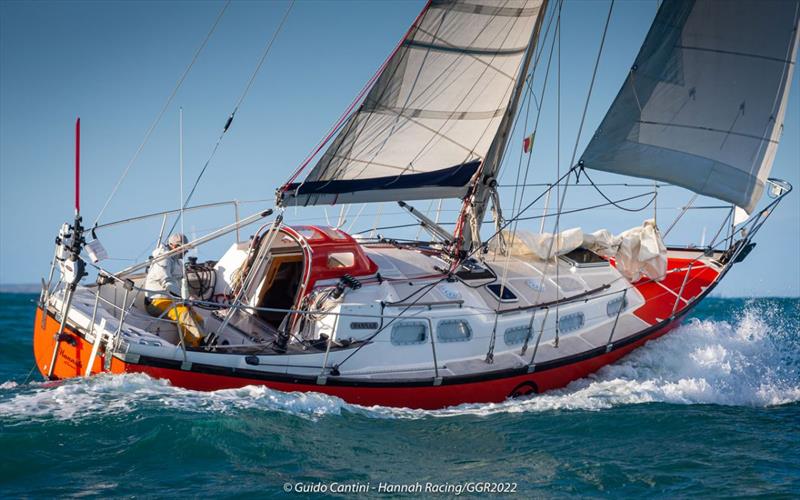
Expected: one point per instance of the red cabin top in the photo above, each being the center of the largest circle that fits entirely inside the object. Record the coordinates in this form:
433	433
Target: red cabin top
333	253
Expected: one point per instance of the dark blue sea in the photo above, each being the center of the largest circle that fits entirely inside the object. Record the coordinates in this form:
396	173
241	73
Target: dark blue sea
710	410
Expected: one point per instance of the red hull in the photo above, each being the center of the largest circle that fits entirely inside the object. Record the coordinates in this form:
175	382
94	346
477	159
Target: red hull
72	360
658	310
423	397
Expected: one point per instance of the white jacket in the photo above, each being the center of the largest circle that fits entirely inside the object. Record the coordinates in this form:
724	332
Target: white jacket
164	276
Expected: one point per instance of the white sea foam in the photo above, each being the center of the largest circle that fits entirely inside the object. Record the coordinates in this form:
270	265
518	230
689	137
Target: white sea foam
10	384
751	362
746	363
120	394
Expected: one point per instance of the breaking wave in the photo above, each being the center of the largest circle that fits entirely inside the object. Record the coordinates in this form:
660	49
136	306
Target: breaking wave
754	361
702	362
119	394
751	361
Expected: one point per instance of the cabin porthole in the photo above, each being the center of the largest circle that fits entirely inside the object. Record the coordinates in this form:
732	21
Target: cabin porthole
453	330
571	322
409	333
517	335
614	306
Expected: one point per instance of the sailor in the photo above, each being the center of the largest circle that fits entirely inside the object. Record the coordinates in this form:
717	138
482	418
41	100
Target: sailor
163	285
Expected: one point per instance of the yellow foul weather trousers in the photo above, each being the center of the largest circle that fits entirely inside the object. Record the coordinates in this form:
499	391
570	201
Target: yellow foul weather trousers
189	322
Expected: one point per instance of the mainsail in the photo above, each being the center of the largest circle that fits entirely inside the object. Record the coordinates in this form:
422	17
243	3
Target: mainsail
425	127
703	104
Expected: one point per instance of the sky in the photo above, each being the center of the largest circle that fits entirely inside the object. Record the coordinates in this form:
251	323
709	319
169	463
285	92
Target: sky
115	63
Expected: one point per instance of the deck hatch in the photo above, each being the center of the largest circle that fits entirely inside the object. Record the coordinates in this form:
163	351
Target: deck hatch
582	257
497	288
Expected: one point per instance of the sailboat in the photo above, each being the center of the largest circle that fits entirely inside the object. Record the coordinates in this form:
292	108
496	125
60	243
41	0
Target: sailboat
481	310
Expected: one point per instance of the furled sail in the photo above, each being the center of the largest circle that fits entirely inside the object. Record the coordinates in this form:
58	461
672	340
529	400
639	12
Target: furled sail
426	125
703	104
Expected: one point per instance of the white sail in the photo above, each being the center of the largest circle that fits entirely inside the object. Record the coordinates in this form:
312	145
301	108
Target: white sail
704	103
426	125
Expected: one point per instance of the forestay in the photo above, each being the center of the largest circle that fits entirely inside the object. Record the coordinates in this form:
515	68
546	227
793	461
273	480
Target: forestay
424	128
704	102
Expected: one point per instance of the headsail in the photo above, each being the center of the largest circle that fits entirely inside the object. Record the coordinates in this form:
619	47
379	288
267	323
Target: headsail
703	105
426	125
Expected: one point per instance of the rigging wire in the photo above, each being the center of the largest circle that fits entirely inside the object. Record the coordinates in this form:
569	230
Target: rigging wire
514	205
425	289
591	84
521	151
161	113
562	196
490	353
583	172
600	205
535	217
528	85
559	197
539	111
261	60
548	185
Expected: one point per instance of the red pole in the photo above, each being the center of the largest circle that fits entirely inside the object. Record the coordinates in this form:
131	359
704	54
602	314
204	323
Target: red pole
78	166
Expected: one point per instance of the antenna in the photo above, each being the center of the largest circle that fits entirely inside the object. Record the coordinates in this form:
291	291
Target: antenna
78	166
184	282
180	162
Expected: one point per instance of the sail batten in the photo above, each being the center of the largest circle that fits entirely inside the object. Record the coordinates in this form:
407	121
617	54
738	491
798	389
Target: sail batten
434	110
475	51
438	115
703	104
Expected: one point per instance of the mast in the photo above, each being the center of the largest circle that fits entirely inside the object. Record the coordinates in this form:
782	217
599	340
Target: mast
484	184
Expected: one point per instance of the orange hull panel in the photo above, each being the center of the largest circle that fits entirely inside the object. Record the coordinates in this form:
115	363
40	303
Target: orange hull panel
73	353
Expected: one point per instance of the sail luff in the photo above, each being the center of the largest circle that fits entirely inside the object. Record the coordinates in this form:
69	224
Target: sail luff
703	104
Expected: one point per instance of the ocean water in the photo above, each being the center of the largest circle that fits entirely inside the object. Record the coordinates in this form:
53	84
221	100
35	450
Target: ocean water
712	410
